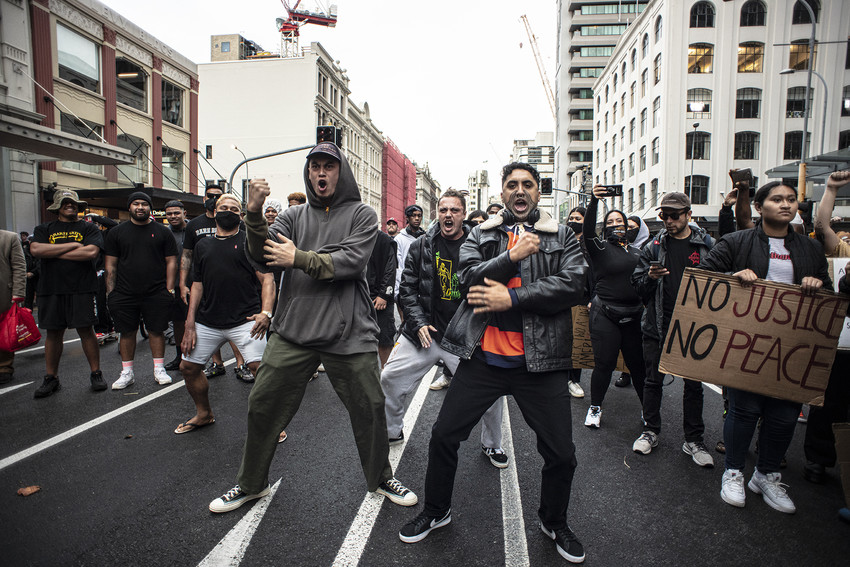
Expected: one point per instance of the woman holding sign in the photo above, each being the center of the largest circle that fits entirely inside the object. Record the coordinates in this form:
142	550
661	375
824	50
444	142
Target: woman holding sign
615	308
771	251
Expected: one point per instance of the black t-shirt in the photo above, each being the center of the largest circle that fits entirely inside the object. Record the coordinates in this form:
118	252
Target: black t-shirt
60	276
141	251
681	254
179	235
446	292
196	229
231	288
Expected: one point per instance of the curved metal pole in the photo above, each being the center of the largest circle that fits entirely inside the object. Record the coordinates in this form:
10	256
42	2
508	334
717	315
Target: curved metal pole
811	64
255	158
825	108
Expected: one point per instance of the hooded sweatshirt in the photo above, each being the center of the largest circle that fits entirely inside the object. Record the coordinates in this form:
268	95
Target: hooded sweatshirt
324	300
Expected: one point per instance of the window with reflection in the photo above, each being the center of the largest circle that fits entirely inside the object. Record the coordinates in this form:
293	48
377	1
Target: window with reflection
700	58
750	57
702	15
79	59
131	84
753	13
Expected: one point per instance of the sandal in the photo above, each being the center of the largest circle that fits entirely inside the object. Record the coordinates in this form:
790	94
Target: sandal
187	427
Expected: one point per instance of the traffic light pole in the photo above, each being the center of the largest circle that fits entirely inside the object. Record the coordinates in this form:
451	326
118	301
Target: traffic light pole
255	158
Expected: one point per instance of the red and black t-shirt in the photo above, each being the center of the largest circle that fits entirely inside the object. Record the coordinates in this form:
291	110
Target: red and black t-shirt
681	254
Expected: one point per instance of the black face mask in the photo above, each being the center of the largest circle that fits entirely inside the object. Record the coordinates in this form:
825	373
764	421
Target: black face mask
615	234
576	226
632	234
228	220
209	204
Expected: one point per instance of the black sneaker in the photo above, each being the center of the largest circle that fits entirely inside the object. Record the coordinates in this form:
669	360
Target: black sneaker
498	458
397	493
98	384
566	542
419	528
174	364
244	373
624	381
234	498
51	384
396	440
212	370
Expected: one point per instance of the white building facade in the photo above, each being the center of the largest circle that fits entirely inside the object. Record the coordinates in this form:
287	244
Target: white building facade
539	152
696	87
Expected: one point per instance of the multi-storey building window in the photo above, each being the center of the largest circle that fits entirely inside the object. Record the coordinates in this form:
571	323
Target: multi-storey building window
699	103
657	68
614	29
622	170
653	192
586	72
644	49
135	172
657	29
845	101
643	79
634	59
844	139
702	15
794	145
801	16
79	59
746	145
622	138
632	131
656	151
697	189
643	122
632	90
614	114
84	129
748	103
614	145
597	51
656	112
631	164
698	145
750	57
585	114
641	195
795	104
132	83
753	13
172	103
172	169
623	105
700	58
642	158
799	55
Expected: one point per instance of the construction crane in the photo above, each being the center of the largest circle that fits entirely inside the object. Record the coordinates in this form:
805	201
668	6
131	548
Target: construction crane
289	27
550	96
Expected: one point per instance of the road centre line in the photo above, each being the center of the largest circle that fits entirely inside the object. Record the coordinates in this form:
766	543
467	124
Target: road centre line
13	388
513	525
55	440
41	347
358	534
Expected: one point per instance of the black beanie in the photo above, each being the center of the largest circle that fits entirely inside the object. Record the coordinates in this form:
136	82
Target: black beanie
139	195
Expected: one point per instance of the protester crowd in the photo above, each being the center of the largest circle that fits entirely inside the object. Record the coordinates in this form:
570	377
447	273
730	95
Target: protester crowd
488	295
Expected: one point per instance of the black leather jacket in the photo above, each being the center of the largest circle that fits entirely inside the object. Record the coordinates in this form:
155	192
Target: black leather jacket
415	292
553	280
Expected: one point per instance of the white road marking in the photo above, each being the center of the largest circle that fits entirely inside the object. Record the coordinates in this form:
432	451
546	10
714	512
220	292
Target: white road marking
358	534
231	549
13	388
44	445
41	347
713	387
516	547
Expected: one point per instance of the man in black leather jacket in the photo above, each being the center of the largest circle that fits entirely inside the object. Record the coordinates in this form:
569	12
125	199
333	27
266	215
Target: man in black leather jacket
522	272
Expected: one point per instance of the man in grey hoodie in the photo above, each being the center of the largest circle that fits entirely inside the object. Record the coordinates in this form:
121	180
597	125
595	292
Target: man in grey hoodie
324	314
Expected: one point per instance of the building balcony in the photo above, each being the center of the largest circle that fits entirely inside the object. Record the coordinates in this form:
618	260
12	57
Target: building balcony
577	124
577	104
580	146
577	62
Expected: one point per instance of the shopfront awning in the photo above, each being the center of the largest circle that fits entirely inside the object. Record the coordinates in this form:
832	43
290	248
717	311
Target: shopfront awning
29	137
117	198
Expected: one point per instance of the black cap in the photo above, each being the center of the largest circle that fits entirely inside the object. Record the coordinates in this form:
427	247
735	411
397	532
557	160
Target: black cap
139	195
327	148
174	203
412	209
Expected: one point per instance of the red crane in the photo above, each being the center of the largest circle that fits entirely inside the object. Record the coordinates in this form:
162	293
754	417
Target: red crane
289	27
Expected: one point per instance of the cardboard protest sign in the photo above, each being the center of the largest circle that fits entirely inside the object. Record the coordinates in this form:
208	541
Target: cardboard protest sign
768	338
836	270
582	347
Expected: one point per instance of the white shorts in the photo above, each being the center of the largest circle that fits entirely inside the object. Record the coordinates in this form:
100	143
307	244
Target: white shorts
208	340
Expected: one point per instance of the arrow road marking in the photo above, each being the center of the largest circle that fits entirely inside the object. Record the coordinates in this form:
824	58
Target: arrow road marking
231	549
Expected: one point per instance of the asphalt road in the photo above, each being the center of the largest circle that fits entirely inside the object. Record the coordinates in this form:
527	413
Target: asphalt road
119	488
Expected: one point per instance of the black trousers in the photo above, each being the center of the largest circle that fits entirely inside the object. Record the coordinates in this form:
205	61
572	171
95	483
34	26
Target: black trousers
819	444
608	338
543	399
692	400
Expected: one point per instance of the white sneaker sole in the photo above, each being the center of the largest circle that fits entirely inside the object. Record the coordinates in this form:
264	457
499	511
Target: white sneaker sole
731	501
163	382
419	537
708	464
778	507
497	464
219	506
409	499
122	385
562	552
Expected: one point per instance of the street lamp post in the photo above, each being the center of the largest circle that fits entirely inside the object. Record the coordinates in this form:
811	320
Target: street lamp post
693	145
825	103
245	158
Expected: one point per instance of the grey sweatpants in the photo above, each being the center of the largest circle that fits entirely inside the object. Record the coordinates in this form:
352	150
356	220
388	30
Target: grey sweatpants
406	367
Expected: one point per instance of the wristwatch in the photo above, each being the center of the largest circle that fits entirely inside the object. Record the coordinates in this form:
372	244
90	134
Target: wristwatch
267	314
171	291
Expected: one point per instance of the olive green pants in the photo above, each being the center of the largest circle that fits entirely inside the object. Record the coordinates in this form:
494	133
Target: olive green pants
280	384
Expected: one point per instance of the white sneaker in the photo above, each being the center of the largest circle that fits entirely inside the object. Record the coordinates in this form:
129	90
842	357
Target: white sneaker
575	389
594	415
699	454
645	443
161	377
439	383
732	488
321	368
772	491
126	379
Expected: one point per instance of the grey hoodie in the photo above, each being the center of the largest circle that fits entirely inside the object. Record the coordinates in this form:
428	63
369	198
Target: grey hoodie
324	300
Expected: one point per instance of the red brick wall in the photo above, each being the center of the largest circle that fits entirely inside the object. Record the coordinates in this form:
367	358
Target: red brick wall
398	185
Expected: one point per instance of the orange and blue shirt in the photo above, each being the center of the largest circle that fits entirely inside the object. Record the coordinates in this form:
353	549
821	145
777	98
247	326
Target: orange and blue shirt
502	343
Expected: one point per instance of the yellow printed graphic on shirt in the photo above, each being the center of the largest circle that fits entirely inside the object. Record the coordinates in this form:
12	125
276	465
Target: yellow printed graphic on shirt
64	236
449	287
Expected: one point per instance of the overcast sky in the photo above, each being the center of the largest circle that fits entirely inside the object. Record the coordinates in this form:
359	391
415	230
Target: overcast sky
451	83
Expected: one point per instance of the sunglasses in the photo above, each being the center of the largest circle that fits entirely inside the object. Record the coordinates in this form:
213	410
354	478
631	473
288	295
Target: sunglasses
674	216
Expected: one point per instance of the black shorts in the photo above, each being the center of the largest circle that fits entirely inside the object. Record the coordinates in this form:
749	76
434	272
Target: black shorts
179	310
126	310
386	324
67	311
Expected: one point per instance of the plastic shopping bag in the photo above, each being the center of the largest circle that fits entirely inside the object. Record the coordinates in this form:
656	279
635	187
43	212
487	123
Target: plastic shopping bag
18	329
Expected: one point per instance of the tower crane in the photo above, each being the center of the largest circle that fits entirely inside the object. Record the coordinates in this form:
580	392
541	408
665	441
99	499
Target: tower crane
290	26
544	78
